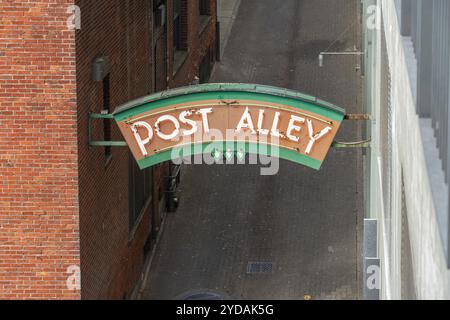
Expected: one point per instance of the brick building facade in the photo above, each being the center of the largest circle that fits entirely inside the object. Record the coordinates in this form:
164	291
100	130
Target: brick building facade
63	203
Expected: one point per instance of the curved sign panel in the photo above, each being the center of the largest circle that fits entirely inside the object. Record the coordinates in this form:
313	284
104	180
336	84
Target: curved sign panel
226	118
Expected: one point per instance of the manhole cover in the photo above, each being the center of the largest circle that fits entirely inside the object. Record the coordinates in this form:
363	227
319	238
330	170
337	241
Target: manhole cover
260	268
202	295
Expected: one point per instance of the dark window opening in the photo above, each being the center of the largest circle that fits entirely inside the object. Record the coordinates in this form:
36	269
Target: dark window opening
140	186
177	25
205	68
204	14
180	53
107	109
159	13
203	6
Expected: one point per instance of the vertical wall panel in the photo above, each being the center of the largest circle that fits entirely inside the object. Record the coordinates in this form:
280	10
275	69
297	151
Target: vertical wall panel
406	11
424	57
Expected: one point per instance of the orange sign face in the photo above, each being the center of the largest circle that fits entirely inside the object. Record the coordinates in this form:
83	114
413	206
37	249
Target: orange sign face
297	131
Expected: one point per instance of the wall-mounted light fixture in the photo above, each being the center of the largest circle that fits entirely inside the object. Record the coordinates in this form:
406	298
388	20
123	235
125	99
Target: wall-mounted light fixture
100	68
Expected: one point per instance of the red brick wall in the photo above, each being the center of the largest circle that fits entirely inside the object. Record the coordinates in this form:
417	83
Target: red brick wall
111	260
61	204
39	236
110	263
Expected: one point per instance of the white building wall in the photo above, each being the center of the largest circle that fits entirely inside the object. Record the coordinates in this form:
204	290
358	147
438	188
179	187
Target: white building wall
431	275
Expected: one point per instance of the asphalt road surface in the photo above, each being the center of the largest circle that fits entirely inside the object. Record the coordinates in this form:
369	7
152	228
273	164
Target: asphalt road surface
306	226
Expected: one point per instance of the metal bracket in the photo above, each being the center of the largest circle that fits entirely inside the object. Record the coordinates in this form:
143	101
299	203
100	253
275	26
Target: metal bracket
358	117
95	143
357	144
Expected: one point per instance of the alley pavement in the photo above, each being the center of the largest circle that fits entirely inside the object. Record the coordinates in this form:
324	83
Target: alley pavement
304	226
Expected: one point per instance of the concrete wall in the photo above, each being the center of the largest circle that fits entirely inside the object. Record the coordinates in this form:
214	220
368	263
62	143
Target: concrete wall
409	169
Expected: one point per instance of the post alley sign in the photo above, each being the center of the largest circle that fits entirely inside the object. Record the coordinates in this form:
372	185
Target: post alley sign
229	118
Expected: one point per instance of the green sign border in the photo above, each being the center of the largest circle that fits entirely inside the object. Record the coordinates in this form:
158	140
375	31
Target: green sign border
224	91
247	147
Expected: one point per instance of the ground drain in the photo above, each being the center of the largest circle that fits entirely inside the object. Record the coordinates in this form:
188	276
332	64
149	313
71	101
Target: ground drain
260	268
